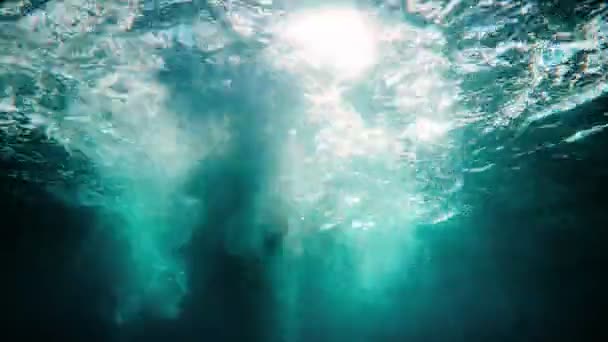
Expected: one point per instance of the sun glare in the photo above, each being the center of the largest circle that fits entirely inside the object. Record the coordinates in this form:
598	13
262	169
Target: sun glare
341	39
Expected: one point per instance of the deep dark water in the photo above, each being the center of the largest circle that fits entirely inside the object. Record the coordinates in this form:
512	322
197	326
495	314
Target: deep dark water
527	264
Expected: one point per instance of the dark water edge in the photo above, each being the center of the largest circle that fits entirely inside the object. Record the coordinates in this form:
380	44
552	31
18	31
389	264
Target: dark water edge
527	264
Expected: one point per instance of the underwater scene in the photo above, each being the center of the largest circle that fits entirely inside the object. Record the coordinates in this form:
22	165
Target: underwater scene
304	170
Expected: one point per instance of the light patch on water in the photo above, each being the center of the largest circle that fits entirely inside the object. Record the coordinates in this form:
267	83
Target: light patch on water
342	39
427	130
383	156
7	105
585	133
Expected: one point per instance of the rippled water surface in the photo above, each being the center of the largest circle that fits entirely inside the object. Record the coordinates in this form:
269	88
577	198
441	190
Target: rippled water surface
355	122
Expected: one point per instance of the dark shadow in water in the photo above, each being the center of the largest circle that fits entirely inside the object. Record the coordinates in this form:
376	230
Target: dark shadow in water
230	291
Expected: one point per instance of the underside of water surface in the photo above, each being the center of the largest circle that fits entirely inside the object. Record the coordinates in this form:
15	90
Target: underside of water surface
304	145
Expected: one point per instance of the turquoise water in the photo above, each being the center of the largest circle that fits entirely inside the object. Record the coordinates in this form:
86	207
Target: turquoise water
318	139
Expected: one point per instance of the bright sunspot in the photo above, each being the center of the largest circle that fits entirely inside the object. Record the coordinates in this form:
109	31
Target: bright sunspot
341	39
